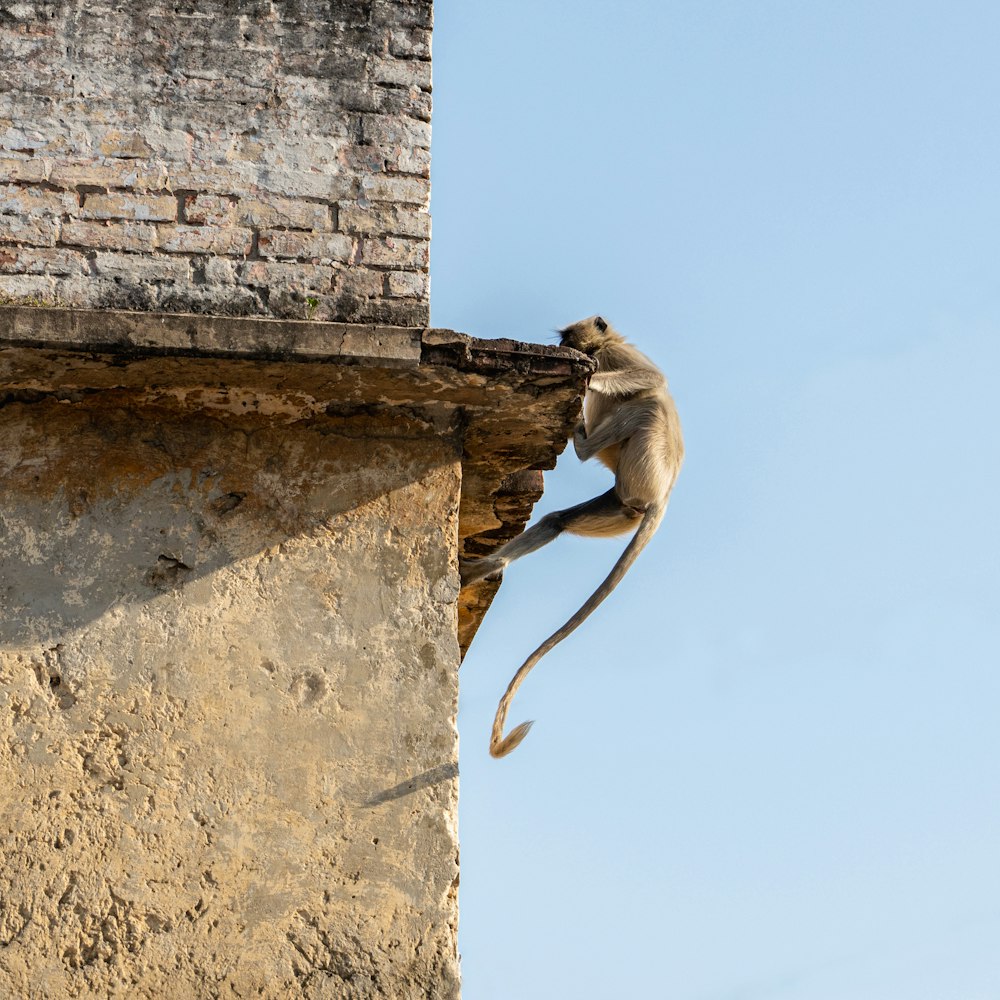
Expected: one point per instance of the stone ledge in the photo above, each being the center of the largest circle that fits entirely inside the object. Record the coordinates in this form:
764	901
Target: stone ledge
134	334
513	405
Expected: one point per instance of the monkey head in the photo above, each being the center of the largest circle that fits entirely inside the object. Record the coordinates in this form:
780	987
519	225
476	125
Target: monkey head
588	335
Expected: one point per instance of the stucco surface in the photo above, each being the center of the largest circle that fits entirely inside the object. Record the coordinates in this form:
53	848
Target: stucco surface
227	703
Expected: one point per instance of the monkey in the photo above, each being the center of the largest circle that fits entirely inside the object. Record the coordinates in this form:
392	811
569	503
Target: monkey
631	425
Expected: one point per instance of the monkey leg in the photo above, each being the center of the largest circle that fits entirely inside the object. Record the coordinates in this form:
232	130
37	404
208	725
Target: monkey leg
602	517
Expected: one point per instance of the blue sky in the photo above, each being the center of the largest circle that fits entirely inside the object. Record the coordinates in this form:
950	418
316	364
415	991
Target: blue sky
769	766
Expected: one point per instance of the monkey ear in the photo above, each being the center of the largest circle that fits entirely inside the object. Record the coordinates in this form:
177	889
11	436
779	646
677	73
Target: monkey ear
600	324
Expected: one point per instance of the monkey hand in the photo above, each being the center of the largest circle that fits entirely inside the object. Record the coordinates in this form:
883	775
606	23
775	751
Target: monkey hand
580	443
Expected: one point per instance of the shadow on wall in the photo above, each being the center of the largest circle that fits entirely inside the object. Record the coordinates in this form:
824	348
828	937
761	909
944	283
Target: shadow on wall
105	507
426	779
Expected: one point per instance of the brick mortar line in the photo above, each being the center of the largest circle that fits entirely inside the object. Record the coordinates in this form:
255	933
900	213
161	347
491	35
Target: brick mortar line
89	254
85	189
253	255
404	86
160	224
414	114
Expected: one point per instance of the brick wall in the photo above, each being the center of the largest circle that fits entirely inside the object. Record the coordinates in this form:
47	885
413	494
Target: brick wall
241	157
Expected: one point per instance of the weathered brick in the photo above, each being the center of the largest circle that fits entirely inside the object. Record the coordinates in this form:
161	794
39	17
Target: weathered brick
267	273
219	271
300	303
364	160
23	126
378	309
395	130
204	239
212	179
400	312
291	151
400	158
124	236
359	281
398	188
33	170
410	43
306	90
139	208
294	184
407	284
22	260
395	251
383	219
402	72
283	212
227	300
16	199
323	248
127	146
209	210
409	15
132	267
109	174
386	100
337	63
38	231
92	291
408	161
168	144
221	90
36	288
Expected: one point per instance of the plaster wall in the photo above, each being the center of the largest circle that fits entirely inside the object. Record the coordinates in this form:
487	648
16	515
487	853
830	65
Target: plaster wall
228	755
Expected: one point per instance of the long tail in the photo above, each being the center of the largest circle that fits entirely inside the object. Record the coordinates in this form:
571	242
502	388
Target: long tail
500	745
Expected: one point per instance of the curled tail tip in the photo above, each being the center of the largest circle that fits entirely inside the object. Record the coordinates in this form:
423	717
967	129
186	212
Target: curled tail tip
500	748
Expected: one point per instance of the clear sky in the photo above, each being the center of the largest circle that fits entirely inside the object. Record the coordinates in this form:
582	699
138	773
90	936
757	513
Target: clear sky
769	766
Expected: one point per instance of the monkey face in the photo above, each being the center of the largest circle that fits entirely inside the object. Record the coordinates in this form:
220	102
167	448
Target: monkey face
587	336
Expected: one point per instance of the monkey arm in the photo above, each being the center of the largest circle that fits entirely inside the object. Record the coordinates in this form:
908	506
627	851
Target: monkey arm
614	429
625	381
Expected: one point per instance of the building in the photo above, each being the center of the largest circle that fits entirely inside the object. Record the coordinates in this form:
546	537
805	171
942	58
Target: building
236	471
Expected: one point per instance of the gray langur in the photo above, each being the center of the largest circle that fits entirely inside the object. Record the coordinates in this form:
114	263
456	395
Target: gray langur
631	425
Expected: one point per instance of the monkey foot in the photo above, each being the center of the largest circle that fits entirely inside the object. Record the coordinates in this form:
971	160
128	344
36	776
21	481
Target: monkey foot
472	570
